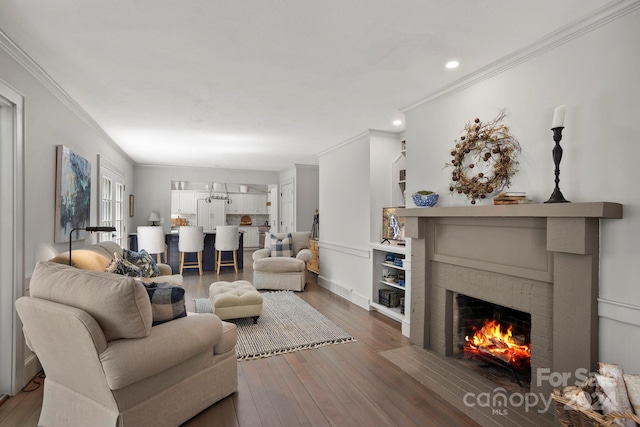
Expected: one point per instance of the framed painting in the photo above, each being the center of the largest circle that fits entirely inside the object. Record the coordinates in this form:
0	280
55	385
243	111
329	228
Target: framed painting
73	194
392	225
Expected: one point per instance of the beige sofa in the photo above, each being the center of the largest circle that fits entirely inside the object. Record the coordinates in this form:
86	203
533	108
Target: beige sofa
282	273
106	365
97	257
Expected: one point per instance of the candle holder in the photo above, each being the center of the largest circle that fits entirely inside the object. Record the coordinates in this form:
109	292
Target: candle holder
556	196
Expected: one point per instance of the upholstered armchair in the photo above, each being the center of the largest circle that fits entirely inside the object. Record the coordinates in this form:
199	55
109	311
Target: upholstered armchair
275	268
106	365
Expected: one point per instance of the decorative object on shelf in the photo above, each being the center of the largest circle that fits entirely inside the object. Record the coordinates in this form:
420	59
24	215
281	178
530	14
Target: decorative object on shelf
493	149
73	194
392	226
425	198
315	228
182	184
511	198
388	298
154	218
556	127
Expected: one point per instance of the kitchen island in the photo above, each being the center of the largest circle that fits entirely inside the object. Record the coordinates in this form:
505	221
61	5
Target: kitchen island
208	263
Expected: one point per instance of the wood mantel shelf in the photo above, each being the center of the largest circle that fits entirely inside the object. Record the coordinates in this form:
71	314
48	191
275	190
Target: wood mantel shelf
548	210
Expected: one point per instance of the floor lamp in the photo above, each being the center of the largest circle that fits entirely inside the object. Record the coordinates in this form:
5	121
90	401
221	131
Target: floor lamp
91	230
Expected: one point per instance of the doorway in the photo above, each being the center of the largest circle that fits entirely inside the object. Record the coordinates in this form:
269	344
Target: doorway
287	223
11	238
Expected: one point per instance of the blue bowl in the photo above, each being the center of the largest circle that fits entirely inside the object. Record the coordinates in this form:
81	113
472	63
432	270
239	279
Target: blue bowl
428	200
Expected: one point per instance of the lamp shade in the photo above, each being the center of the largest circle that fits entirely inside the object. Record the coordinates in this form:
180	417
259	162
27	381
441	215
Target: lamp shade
154	217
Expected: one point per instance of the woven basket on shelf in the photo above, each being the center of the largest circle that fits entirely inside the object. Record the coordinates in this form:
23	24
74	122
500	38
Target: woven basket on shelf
570	415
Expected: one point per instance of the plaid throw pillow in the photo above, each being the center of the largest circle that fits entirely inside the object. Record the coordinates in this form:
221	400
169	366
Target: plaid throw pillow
143	261
167	302
282	247
119	265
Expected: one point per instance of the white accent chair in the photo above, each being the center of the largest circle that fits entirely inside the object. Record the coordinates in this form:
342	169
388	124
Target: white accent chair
105	363
191	239
152	240
282	273
227	239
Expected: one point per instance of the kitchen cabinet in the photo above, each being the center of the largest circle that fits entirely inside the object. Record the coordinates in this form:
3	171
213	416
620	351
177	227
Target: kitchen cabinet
183	202
389	266
248	204
211	214
250	236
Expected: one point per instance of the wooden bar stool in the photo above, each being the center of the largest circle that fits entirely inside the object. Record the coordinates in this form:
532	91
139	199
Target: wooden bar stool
227	240
190	239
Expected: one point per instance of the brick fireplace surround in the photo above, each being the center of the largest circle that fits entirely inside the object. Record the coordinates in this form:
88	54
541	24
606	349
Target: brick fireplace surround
541	259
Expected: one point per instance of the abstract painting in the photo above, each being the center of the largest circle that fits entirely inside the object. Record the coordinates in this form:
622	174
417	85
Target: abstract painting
73	194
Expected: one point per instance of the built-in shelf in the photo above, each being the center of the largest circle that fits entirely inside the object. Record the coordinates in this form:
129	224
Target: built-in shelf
392	312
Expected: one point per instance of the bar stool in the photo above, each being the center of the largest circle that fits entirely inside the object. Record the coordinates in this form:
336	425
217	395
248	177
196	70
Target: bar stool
151	239
190	239
227	240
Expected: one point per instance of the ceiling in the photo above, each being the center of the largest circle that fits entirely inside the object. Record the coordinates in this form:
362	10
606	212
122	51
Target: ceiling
260	84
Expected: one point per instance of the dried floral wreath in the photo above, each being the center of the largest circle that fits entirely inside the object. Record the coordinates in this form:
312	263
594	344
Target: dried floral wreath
492	148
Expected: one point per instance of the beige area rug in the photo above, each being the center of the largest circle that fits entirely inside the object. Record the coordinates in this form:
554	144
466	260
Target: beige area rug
287	324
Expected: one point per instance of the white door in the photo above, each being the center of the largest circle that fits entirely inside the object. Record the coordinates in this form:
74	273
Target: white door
13	352
273	209
287	224
112	203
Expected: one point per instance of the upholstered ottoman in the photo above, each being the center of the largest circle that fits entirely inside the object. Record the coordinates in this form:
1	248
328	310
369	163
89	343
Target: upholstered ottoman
235	300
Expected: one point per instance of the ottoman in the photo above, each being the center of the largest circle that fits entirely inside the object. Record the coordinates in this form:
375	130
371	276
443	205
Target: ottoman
235	300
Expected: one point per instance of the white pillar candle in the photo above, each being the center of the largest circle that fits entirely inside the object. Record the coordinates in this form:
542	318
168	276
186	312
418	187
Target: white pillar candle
558	116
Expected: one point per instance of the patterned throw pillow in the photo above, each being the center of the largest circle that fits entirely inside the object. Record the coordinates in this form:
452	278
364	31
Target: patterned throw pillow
282	247
167	302
120	265
143	261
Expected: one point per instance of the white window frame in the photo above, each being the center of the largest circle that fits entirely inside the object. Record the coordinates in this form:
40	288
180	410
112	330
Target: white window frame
112	203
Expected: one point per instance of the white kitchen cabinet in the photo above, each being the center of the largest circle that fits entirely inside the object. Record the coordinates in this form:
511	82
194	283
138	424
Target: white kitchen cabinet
183	202
248	204
250	239
211	214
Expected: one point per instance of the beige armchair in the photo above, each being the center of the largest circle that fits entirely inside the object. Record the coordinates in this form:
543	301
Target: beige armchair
282	272
107	366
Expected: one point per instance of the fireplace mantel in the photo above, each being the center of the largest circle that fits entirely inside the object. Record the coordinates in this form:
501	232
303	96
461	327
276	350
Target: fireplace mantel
550	252
548	210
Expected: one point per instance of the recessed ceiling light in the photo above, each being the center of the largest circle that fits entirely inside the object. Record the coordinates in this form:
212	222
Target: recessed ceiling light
452	64
397	122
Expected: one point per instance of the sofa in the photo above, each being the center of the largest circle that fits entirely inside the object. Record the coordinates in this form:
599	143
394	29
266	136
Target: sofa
106	365
282	272
99	256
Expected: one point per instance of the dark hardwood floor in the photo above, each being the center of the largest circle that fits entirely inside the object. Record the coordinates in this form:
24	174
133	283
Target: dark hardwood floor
337	385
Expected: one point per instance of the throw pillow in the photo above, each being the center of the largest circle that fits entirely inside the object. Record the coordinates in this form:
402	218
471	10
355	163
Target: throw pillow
119	265
167	302
144	261
282	247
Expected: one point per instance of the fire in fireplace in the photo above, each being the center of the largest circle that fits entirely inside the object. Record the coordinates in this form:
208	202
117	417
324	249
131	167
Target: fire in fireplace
494	336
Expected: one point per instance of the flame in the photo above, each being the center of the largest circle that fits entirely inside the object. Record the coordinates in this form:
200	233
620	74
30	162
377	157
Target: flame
490	339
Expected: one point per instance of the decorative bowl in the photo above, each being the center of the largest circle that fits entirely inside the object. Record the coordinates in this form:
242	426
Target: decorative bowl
428	200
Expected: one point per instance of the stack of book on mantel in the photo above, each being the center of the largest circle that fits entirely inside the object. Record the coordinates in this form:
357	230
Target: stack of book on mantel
511	198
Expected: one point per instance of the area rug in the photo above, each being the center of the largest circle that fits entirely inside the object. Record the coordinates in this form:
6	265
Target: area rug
287	324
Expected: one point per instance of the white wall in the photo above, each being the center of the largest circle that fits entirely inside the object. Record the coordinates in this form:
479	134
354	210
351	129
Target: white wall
344	220
153	186
384	149
51	118
596	76
307	195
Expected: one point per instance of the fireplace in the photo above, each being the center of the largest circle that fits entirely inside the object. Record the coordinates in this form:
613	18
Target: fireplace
493	340
537	264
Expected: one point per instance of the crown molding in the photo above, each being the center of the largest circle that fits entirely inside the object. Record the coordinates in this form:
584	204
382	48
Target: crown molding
595	20
24	60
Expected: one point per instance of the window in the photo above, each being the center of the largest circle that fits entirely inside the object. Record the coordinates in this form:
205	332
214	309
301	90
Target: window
112	203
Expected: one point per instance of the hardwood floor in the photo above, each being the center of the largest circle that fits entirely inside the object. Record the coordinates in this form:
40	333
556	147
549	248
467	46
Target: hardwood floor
337	385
